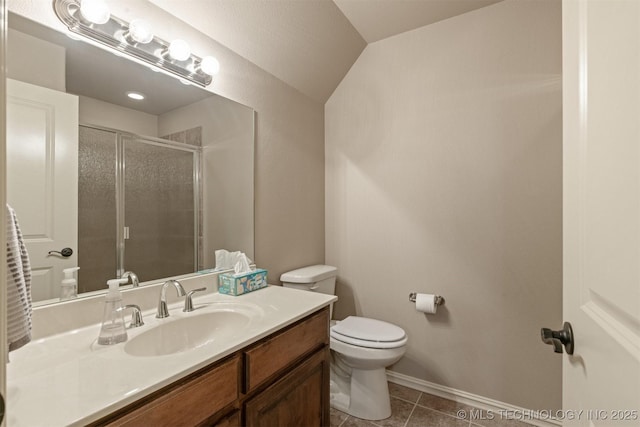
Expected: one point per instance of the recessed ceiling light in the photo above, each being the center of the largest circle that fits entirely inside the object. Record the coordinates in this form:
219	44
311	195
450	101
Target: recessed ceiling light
135	95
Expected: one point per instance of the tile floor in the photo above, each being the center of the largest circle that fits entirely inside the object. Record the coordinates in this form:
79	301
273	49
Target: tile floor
413	408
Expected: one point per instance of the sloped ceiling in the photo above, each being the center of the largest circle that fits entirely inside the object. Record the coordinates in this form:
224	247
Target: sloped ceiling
310	44
378	19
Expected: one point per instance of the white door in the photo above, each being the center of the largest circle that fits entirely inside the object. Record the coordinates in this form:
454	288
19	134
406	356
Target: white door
42	178
601	109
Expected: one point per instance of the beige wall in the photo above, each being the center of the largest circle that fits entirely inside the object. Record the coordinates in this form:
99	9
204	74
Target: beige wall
35	61
443	175
99	113
227	165
289	170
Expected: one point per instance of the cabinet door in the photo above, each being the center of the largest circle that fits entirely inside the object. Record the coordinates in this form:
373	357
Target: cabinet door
232	420
300	398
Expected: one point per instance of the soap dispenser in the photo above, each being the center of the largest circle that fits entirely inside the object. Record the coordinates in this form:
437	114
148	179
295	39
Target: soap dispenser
69	285
113	330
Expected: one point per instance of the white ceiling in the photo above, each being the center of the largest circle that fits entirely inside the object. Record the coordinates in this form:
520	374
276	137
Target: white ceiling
378	19
310	44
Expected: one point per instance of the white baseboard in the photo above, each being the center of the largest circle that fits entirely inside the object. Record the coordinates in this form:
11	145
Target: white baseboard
496	407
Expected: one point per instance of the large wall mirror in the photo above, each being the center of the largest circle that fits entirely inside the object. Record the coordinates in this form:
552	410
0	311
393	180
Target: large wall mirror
152	186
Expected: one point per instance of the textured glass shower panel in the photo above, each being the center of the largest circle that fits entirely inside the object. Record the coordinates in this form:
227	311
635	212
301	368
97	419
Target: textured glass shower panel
159	210
96	208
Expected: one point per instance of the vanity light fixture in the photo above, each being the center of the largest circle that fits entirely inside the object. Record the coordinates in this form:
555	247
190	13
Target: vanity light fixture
93	20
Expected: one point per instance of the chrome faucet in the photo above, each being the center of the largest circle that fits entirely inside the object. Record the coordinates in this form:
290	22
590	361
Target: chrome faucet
136	315
132	278
163	311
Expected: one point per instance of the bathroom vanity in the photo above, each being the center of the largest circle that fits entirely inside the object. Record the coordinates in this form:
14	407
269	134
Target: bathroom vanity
272	369
283	380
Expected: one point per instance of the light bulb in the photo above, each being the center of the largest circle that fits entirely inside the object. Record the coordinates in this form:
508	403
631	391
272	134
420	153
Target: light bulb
210	65
95	11
179	50
140	31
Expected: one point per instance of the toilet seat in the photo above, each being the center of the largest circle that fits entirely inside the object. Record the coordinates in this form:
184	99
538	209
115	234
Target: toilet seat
369	333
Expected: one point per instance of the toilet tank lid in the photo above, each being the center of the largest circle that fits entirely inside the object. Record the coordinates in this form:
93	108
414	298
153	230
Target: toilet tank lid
310	274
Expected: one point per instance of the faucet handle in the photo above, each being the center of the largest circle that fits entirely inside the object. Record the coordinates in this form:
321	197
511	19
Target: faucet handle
188	302
136	315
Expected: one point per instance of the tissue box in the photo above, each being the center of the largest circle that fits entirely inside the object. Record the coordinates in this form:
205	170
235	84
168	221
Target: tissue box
239	284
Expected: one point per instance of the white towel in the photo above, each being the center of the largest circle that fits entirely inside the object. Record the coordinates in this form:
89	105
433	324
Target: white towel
18	286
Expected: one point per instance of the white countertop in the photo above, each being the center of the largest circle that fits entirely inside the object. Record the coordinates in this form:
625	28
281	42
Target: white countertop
67	379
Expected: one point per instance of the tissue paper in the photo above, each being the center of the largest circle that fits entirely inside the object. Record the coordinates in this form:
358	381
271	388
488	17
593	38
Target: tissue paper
242	265
222	259
226	260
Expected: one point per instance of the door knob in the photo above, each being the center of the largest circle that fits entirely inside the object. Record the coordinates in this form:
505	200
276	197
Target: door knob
65	252
559	338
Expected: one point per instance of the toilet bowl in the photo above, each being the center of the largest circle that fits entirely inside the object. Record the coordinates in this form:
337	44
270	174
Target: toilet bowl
361	349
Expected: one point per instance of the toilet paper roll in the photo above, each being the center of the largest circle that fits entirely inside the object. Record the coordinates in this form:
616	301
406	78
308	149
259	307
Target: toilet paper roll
426	303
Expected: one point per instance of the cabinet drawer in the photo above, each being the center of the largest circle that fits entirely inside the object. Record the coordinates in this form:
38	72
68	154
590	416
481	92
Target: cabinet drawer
277	352
190	402
300	398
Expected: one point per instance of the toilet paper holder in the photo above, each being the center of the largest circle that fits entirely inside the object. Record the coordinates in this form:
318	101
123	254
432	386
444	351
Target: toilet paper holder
439	299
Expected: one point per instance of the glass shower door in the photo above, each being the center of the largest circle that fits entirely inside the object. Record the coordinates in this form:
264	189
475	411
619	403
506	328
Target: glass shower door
97	213
159	226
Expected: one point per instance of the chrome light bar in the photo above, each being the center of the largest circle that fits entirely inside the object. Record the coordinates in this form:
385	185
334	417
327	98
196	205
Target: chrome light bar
115	33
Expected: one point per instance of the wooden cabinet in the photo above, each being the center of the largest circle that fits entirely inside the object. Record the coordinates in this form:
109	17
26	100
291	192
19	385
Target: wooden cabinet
294	367
300	398
281	380
192	401
275	354
232	420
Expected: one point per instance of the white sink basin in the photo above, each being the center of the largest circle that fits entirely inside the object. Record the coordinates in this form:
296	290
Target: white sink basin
192	330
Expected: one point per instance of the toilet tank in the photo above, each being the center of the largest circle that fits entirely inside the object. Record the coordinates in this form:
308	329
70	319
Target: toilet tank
316	278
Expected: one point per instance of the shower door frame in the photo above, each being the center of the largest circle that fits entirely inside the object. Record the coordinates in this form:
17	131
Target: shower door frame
120	169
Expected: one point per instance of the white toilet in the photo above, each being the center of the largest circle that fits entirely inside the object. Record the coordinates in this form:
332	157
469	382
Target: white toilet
361	349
